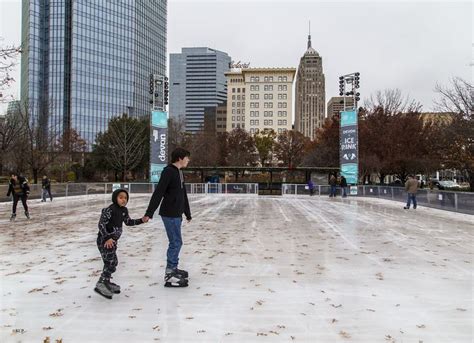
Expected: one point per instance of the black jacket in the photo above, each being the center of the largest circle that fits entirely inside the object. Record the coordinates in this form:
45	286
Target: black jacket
45	183
19	187
112	218
343	182
172	190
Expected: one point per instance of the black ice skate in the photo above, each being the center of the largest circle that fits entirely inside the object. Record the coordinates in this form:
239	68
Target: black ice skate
27	214
102	289
174	279
181	272
13	217
114	288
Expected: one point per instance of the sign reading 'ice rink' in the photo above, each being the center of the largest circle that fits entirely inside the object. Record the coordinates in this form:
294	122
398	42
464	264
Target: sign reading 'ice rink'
348	151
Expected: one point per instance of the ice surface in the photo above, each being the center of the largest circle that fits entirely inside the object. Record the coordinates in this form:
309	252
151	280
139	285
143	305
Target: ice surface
262	269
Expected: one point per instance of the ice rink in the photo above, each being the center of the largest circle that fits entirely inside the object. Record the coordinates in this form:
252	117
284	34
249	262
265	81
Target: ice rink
262	269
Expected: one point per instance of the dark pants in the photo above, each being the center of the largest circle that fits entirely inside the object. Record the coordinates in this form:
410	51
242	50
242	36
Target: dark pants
173	231
109	256
344	194
333	191
411	197
46	191
17	197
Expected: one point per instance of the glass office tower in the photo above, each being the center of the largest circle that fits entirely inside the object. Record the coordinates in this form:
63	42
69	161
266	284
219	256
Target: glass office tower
86	61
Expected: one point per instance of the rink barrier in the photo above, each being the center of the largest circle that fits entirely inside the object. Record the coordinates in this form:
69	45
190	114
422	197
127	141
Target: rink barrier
75	189
462	202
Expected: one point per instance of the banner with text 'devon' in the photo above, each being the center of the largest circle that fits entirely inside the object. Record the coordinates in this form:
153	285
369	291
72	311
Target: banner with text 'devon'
349	146
158	144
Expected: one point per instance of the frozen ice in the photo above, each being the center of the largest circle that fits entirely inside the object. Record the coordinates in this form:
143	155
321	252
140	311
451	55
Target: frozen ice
262	269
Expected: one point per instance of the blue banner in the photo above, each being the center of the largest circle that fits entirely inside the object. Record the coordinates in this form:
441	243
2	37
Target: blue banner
158	144
349	147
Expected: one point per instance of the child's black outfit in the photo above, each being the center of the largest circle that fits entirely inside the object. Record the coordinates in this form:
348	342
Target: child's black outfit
110	226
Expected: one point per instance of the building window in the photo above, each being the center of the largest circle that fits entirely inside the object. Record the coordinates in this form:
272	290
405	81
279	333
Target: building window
238	118
252	131
238	104
238	97
285	79
268	104
233	97
233	111
268	114
233	125
282	105
280	78
268	88
238	111
238	90
282	122
268	96
268	122
282	87
233	103
233	118
233	90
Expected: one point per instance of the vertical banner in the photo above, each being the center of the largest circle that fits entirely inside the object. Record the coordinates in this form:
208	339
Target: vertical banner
349	146
158	144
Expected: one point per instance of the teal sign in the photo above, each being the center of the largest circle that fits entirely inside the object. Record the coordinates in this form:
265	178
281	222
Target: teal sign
158	144
349	147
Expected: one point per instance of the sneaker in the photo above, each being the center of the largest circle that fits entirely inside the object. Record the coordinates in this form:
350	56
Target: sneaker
13	217
27	214
102	289
174	279
114	288
406	208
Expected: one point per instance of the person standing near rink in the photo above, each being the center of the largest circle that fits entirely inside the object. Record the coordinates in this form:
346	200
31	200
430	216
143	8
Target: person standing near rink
344	186
411	186
46	185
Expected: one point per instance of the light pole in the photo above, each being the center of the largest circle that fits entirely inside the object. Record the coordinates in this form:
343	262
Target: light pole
352	80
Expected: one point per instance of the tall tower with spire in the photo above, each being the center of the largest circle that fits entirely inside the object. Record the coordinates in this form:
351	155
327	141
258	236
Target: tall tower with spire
310	94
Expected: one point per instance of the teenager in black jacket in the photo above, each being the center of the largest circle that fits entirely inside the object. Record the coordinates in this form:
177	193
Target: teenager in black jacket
110	230
46	185
172	190
18	187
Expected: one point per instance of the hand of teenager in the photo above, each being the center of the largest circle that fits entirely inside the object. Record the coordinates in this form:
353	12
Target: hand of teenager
145	219
189	219
109	244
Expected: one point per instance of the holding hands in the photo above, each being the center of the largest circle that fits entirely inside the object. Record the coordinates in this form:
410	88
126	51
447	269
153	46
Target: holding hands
145	219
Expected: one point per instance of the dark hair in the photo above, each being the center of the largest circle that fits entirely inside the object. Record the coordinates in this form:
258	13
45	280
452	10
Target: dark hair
179	154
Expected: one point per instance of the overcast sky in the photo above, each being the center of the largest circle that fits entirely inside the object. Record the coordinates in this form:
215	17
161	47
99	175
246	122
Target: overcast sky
393	44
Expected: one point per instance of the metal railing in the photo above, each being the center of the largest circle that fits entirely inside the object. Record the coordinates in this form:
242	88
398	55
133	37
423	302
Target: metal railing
73	189
462	202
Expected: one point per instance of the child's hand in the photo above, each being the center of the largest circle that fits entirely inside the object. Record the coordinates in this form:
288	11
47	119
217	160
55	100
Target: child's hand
145	219
109	244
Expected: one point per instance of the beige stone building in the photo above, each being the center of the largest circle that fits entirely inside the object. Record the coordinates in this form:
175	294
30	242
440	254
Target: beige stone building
336	105
260	98
310	93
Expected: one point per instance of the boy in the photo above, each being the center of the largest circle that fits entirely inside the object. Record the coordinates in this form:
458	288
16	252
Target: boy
18	187
110	230
172	190
46	185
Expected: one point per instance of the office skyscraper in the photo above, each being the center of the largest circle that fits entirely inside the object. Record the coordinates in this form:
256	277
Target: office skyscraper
85	62
197	81
310	93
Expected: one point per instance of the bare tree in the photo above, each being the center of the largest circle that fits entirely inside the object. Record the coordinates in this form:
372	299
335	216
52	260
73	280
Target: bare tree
35	147
391	101
8	55
457	99
10	130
